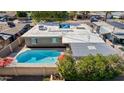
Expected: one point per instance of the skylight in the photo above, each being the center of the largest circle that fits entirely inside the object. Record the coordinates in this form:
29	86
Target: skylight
91	47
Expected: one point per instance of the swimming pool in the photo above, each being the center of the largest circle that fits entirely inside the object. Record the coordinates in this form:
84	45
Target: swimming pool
38	56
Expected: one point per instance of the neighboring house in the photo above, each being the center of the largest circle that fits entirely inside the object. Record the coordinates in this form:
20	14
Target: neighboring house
116	24
9	35
103	29
98	15
118	14
3	26
79	38
118	37
7	15
110	32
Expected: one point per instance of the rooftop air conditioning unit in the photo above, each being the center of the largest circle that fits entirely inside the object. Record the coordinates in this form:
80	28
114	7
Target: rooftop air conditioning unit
41	27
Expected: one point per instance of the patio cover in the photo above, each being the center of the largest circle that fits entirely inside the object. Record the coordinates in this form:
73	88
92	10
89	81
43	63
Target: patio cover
84	49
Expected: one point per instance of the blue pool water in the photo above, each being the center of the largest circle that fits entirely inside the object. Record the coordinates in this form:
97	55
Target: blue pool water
38	56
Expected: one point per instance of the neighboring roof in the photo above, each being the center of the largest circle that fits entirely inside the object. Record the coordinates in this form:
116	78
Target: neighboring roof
117	24
8	13
107	28
104	27
84	49
4	36
119	13
3	26
120	36
102	23
14	30
98	13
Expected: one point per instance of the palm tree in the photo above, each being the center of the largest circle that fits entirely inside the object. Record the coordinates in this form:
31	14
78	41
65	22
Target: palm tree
106	15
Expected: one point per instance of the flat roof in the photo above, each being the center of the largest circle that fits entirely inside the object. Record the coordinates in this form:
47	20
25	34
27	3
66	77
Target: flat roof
102	23
107	28
4	36
81	38
77	34
53	30
117	13
101	13
14	30
117	24
84	49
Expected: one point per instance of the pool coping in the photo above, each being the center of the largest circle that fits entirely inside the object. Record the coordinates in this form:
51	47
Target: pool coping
31	65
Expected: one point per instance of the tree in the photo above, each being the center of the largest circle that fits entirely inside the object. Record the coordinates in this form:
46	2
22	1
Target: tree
91	67
72	15
21	14
49	15
85	14
106	15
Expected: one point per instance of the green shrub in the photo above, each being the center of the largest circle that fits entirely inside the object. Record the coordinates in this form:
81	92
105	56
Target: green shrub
91	67
67	68
21	14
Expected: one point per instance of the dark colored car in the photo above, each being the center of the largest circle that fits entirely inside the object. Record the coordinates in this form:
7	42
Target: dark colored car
94	19
3	19
11	24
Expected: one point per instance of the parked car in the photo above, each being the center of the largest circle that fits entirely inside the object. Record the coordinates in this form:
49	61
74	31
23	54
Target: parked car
94	19
11	24
3	19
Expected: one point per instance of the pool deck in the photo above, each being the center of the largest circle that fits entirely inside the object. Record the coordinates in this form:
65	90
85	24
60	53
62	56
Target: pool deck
29	68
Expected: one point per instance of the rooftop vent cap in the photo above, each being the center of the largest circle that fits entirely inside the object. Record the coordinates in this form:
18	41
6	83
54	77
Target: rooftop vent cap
80	27
41	27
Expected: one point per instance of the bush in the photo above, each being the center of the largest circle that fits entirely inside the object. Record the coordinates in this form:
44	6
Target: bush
66	67
21	14
91	67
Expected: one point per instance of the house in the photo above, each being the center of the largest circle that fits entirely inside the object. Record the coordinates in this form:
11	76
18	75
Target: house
9	35
79	38
104	29
7	15
3	26
118	37
118	14
116	24
110	32
98	15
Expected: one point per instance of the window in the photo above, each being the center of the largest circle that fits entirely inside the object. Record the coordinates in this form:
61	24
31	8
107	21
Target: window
122	41
54	40
34	41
